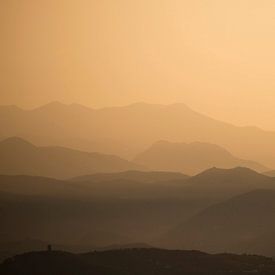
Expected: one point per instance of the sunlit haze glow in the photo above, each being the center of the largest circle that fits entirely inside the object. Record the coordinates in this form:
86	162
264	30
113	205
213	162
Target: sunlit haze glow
216	56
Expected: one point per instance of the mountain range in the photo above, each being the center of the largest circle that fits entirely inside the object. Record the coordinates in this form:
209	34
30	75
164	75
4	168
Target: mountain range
191	158
242	223
19	157
214	184
135	207
226	183
126	131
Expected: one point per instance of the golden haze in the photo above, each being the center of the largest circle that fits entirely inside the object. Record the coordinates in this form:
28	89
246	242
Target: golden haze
216	56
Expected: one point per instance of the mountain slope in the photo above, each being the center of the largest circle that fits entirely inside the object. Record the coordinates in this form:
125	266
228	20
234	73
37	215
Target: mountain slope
243	223
90	212
214	184
117	211
191	158
226	183
21	157
128	130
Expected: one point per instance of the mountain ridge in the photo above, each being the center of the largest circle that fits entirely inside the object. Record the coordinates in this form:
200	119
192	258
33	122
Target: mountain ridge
119	130
190	158
238	224
147	176
19	156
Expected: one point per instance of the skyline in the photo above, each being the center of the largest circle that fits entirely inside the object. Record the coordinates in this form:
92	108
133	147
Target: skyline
214	56
56	102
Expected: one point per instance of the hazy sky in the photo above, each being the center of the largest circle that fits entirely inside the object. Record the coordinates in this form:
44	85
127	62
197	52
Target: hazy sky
217	56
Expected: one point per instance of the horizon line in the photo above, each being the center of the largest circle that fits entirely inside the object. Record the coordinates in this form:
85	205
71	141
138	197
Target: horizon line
60	103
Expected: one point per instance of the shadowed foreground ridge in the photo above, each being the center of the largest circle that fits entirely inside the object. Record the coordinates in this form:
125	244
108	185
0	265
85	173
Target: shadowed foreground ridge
136	261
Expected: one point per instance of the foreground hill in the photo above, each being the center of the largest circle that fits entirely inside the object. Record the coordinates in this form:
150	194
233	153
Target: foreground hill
119	211
21	157
243	223
191	158
9	249
128	130
136	262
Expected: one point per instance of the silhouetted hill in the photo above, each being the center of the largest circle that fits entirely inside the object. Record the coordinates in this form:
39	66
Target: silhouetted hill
9	249
191	158
102	213
215	183
21	157
116	211
141	176
243	223
125	246
57	262
136	262
128	130
225	183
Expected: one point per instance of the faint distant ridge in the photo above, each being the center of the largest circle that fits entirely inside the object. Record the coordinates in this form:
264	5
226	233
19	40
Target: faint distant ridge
127	130
191	158
59	107
17	141
20	157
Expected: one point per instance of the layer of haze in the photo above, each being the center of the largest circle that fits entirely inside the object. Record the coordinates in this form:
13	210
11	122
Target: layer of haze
217	56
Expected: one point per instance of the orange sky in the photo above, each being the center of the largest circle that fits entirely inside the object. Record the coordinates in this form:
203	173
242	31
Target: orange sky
215	55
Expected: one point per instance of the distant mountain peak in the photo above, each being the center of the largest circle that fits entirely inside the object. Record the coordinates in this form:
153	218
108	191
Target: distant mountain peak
194	143
59	106
80	106
16	141
125	130
19	157
52	104
191	158
239	170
